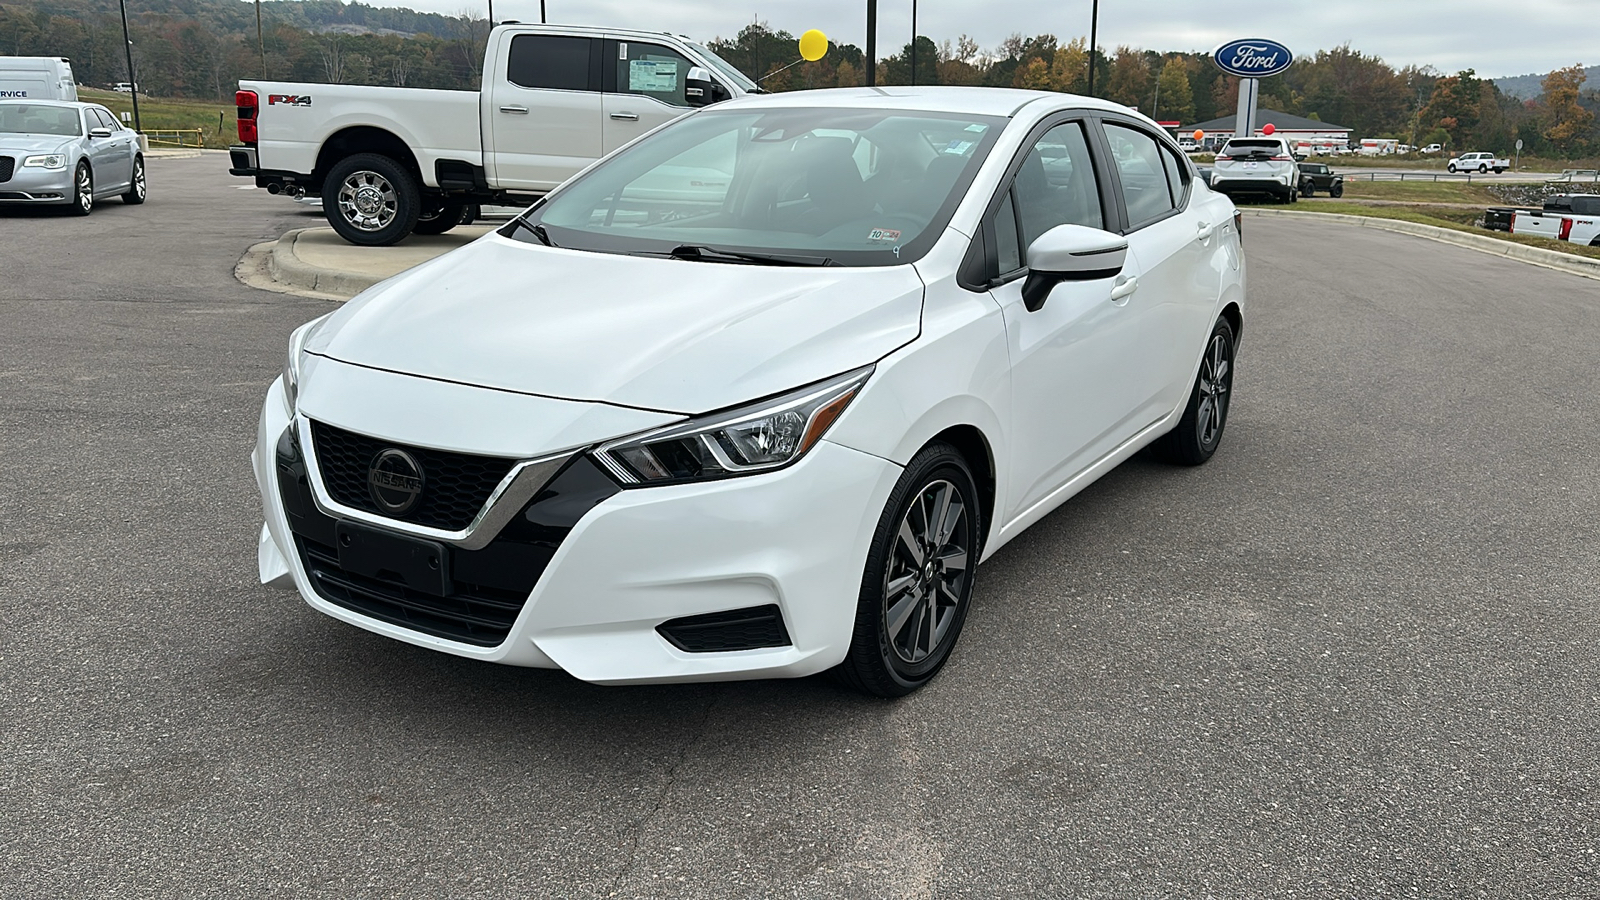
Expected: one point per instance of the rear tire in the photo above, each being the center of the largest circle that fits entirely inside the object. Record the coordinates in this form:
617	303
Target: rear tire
917	584
1199	431
136	188
371	200
445	218
1451	168
1482	169
1308	189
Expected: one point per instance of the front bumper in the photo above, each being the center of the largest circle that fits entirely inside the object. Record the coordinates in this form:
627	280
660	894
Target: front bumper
796	539
41	186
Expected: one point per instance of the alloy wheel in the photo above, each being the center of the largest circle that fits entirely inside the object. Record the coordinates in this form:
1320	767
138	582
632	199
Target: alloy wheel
368	201
927	572
1216	378
85	189
138	179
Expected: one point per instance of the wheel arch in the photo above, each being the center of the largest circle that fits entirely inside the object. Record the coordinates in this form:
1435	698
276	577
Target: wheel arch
363	139
1235	317
975	448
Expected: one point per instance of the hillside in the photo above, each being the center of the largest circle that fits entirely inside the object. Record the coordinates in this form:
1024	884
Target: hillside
1527	87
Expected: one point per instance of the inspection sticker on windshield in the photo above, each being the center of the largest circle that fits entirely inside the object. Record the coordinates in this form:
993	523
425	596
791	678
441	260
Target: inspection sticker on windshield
980	129
883	234
959	147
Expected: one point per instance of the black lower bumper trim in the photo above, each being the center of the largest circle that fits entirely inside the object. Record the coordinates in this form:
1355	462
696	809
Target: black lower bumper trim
751	628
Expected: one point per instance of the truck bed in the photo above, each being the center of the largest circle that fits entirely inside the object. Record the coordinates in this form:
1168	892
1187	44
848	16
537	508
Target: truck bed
297	118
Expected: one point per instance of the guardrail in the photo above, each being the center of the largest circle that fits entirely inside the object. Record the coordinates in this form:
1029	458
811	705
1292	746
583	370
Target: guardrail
1567	176
180	137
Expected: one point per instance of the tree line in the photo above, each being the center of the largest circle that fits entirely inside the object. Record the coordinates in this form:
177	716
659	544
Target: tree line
201	48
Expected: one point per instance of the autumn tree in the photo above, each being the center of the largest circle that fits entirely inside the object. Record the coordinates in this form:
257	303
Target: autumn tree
1564	121
1130	77
1070	70
1174	99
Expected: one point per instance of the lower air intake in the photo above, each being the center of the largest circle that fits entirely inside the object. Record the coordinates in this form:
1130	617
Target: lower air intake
738	629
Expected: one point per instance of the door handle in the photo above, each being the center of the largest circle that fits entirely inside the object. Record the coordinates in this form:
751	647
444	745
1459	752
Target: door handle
1124	287
519	110
626	116
1206	230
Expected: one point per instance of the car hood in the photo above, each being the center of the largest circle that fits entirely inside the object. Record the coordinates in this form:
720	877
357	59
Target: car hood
11	144
656	334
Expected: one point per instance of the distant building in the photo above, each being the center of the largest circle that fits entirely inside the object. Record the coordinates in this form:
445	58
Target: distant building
1294	129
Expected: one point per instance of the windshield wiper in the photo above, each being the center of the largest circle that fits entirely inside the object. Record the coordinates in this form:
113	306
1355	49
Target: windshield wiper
535	230
702	253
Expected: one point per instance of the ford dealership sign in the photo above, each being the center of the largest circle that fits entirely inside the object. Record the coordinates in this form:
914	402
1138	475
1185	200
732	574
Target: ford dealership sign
1252	57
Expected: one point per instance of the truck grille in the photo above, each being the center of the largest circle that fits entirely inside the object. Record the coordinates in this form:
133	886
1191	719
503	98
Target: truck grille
8	165
455	485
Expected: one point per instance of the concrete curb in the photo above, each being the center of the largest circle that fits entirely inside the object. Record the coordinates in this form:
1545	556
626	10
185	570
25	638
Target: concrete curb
287	268
1538	256
255	269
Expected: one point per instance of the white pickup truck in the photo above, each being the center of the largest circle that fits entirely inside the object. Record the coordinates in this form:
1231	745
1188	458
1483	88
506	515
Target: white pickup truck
1478	162
1565	217
389	161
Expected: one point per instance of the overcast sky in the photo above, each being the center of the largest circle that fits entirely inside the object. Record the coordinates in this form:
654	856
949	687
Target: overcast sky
1496	37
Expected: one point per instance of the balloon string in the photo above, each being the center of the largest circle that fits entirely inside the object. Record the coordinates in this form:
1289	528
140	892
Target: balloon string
784	69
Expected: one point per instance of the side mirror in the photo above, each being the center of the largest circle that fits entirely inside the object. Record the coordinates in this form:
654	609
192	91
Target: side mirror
700	89
1300	157
1070	253
99	132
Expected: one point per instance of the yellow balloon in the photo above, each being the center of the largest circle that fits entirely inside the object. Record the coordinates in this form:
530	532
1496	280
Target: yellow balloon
813	45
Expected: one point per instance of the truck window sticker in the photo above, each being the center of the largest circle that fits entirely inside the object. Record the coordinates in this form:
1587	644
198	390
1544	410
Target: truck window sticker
653	75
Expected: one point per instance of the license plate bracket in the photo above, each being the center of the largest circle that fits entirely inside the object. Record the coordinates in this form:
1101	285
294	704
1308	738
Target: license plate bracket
396	558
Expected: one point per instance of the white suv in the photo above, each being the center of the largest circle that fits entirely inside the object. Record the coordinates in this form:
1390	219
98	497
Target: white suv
1262	165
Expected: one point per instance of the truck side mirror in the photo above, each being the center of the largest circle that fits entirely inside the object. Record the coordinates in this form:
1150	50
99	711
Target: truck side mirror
700	89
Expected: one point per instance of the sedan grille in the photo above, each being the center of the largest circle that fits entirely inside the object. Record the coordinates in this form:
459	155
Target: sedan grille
8	165
455	486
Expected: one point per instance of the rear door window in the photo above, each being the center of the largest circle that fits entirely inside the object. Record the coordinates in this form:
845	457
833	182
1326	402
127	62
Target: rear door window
1146	190
550	62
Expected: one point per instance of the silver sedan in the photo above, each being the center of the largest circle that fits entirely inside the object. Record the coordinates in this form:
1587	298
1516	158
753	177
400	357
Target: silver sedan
67	154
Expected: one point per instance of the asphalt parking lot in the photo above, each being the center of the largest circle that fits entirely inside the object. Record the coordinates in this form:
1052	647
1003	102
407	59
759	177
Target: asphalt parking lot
1354	656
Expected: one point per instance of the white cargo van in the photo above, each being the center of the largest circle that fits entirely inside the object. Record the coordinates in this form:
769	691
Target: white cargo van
37	78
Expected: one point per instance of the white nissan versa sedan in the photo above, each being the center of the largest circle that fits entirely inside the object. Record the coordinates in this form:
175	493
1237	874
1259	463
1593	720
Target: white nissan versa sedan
754	396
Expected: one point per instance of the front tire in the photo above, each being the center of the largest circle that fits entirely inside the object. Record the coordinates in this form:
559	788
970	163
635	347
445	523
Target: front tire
1336	191
917	584
83	190
445	218
1199	432
136	188
371	200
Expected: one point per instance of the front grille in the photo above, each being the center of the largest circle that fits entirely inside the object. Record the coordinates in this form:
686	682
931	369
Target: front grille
455	485
8	166
488	587
738	629
474	614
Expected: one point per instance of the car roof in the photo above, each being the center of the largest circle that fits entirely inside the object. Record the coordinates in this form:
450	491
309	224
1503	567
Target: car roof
71	104
977	101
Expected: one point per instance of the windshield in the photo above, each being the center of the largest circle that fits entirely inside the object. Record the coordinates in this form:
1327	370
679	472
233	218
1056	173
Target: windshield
832	186
38	118
726	68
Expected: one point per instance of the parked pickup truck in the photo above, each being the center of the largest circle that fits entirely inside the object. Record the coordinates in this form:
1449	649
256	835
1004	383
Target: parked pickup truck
1565	217
1478	162
389	161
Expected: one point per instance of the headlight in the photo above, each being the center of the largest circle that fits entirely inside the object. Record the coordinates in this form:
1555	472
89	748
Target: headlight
761	437
291	366
48	161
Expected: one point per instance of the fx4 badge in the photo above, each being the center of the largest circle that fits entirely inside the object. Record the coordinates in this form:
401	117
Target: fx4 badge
289	99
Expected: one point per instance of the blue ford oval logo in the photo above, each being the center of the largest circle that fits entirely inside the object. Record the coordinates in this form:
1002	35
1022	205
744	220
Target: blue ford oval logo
1252	57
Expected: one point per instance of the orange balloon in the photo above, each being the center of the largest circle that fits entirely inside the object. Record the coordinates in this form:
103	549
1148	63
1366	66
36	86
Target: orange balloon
1199	135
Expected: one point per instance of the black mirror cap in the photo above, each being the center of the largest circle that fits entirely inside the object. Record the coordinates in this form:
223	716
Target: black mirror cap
704	92
1038	285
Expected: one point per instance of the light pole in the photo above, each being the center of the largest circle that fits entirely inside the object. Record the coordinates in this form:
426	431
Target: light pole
1094	36
261	42
872	43
133	80
913	41
541	12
